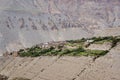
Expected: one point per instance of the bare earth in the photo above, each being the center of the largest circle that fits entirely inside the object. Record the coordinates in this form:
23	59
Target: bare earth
64	68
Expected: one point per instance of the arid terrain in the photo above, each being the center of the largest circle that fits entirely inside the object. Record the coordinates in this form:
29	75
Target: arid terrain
24	23
27	23
63	68
73	65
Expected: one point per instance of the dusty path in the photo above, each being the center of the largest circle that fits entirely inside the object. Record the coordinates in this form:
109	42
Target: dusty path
64	68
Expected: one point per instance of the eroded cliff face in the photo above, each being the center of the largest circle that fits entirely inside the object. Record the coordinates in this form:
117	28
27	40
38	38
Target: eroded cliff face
24	23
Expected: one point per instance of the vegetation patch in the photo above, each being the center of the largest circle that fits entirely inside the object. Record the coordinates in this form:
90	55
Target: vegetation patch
101	40
82	52
61	52
71	48
76	43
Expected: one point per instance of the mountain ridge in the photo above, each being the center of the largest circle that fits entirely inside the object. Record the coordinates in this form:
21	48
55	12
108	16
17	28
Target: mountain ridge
28	22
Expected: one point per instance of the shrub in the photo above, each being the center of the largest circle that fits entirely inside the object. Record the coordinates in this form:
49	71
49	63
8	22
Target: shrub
64	52
115	41
101	40
35	51
76	41
97	52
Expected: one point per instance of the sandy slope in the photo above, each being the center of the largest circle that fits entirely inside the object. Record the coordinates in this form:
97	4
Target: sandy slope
64	68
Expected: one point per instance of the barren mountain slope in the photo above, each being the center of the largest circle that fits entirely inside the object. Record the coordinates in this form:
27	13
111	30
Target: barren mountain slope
24	23
63	68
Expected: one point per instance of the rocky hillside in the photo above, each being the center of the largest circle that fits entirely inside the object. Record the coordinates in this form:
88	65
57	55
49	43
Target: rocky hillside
63	68
24	23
